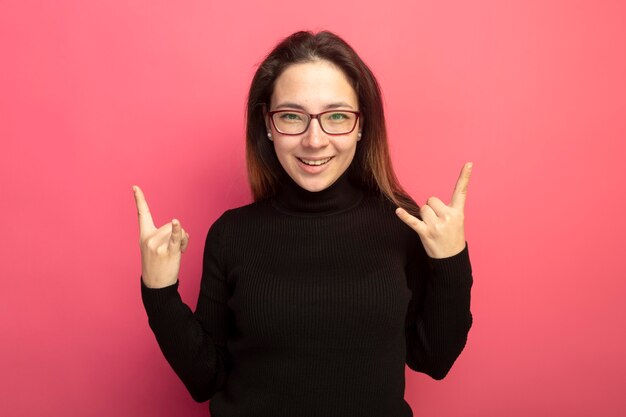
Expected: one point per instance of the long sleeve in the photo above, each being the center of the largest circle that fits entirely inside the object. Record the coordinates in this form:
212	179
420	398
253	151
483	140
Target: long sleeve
194	343
438	316
303	305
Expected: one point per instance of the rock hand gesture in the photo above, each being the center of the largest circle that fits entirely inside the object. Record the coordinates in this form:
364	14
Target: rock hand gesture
441	228
161	248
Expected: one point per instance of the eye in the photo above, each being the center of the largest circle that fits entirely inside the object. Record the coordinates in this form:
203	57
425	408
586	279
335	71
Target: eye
290	117
338	116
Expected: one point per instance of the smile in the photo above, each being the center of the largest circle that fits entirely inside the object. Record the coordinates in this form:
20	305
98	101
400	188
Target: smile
315	163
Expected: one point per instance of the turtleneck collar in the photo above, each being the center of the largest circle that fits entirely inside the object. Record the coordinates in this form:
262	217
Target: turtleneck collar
340	196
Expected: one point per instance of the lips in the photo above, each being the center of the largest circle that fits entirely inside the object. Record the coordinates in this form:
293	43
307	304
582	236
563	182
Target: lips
315	162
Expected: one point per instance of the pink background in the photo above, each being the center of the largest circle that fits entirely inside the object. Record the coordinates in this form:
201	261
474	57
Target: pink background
98	95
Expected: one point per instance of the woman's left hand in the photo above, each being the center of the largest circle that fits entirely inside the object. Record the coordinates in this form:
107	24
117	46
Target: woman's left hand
441	228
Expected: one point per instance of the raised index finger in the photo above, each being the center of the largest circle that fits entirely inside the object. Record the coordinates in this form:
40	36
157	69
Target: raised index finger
460	190
145	218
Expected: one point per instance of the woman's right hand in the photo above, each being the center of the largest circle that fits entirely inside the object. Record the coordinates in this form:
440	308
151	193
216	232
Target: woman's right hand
161	248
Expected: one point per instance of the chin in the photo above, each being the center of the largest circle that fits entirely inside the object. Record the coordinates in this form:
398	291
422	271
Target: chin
313	188
315	185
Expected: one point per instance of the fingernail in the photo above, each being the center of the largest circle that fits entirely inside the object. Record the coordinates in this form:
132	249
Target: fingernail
470	165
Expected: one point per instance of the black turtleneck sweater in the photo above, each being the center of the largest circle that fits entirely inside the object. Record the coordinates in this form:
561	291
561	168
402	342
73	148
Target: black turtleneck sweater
310	304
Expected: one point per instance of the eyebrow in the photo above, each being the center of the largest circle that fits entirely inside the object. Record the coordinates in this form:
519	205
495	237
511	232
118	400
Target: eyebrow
291	105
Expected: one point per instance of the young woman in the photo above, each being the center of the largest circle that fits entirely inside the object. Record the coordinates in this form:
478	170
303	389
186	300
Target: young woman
315	296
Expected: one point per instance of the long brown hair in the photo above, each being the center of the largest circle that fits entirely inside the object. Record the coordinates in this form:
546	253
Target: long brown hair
371	166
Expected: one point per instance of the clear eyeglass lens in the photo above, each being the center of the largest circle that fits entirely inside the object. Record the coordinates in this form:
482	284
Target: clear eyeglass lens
294	123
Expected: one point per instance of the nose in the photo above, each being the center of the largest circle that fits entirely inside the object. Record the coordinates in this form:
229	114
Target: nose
315	137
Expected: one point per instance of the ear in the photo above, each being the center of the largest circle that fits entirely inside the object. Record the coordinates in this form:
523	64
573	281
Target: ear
268	126
265	119
360	127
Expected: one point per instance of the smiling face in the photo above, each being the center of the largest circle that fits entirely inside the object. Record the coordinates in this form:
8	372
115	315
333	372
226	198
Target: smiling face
314	159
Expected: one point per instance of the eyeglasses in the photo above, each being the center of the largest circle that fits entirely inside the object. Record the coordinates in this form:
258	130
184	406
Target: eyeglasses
332	122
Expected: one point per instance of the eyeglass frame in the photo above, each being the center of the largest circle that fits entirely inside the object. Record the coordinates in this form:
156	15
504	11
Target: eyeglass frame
270	114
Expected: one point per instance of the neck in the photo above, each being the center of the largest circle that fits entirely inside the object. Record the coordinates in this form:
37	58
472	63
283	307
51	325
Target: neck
339	196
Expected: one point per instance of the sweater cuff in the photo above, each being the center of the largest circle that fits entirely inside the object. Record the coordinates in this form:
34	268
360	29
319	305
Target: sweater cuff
453	270
156	300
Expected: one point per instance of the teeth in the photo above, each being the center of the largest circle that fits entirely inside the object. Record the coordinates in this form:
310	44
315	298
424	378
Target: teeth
315	163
